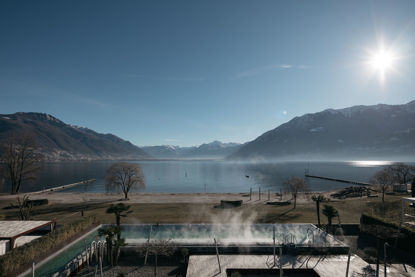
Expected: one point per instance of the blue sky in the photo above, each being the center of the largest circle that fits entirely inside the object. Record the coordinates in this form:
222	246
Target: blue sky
189	72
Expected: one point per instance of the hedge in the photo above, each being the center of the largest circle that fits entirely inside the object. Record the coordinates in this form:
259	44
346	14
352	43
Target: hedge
39	248
406	242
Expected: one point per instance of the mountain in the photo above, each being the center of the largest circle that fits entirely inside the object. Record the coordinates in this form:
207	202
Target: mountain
60	141
379	131
215	149
165	151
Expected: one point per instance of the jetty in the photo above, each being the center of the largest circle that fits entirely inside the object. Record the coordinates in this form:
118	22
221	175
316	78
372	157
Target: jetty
63	187
338	180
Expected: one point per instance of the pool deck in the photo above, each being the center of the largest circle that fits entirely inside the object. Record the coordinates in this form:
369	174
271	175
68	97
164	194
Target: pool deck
325	266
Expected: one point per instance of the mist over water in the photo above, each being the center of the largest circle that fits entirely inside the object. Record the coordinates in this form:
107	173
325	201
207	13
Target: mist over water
193	176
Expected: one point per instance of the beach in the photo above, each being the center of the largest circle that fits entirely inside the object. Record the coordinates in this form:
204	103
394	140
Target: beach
207	198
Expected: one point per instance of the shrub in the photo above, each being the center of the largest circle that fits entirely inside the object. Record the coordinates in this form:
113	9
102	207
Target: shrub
39	248
370	224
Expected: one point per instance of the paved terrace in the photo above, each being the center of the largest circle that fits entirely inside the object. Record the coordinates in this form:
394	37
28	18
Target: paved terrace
325	266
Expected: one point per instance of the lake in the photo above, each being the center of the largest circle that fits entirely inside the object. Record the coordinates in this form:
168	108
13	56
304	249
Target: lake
193	176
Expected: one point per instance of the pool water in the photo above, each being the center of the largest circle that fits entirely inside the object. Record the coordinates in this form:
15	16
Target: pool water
229	234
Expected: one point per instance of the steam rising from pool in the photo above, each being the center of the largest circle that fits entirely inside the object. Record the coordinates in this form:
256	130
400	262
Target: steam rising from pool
229	234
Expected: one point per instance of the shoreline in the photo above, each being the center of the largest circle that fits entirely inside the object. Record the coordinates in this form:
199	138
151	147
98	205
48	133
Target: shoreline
210	198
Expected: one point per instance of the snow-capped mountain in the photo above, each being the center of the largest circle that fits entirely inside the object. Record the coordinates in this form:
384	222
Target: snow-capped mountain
378	131
215	149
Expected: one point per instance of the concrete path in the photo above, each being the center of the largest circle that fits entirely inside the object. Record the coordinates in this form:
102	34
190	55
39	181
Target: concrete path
325	266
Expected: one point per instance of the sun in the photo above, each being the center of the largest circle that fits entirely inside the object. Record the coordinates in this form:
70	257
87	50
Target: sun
382	61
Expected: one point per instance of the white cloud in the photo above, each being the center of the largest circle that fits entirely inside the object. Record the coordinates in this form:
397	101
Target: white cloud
183	79
163	78
284	112
261	69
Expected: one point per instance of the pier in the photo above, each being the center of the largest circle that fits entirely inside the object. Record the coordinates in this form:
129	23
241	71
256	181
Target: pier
338	180
63	187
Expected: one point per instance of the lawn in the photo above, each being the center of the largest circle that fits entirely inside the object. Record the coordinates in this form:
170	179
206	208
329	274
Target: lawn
349	210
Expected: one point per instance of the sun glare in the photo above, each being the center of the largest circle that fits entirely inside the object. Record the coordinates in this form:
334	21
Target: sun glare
382	61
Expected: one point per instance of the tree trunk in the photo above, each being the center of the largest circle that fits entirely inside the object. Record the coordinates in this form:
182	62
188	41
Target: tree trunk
295	200
125	195
118	255
118	220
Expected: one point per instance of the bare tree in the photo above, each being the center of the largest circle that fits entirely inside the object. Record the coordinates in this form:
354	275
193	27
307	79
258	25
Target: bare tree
125	176
384	179
402	173
162	248
294	185
19	160
25	207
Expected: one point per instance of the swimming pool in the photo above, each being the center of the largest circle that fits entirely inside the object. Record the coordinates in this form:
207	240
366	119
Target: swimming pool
229	234
59	262
201	236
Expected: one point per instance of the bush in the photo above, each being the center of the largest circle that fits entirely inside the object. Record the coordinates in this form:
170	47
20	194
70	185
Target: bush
407	235
39	248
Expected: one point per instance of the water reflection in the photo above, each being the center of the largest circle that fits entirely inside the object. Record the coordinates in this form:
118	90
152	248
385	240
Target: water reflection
217	176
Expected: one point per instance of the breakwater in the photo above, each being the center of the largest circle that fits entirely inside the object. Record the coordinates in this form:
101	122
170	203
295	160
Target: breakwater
63	187
338	180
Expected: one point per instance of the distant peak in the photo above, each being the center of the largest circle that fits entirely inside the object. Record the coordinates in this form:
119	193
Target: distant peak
412	103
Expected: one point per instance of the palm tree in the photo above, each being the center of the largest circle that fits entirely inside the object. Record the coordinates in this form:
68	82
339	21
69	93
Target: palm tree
117	245
330	212
318	198
109	233
119	210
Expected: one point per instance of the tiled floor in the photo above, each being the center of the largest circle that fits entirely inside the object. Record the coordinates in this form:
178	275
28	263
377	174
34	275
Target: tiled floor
325	266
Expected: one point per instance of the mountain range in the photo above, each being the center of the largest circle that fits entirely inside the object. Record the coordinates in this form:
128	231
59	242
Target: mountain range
361	132
358	132
59	141
213	150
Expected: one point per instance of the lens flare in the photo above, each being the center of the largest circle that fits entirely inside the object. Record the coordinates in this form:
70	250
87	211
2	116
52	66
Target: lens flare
382	61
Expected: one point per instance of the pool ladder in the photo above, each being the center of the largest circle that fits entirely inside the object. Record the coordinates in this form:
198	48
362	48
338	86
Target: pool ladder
290	239
312	240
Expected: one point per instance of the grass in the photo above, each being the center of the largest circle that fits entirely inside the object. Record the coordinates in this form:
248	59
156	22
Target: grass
350	211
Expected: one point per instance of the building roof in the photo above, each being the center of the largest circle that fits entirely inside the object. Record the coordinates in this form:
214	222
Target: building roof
11	229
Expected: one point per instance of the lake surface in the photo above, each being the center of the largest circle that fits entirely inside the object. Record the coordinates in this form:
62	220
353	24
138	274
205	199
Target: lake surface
186	176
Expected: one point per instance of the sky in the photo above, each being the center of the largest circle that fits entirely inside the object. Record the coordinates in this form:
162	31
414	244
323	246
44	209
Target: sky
190	72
